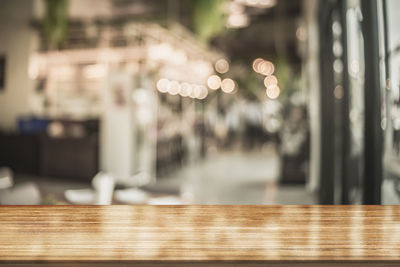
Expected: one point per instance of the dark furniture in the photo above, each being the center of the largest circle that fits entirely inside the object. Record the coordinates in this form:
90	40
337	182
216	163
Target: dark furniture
66	156
69	157
20	152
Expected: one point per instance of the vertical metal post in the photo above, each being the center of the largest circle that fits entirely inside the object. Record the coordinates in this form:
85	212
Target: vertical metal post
327	170
372	130
345	110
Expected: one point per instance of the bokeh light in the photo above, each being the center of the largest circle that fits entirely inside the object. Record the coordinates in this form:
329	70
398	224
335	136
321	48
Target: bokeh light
214	82
263	67
270	81
238	20
222	66
203	92
338	92
163	85
274	92
228	85
266	68
256	64
185	89
174	88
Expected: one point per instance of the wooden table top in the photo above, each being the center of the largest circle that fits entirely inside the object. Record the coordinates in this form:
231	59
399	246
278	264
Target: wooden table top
199	233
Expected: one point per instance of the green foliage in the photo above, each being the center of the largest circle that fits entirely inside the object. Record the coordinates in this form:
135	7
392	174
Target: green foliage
253	85
56	22
208	18
285	78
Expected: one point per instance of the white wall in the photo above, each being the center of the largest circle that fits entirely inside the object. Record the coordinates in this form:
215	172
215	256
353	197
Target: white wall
16	42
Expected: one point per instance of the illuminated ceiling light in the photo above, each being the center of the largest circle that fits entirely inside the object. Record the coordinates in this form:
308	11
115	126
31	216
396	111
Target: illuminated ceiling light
237	21
185	89
63	72
95	71
108	56
258	3
161	51
270	81
266	68
228	85
179	57
174	88
273	93
234	8
214	82
222	66
163	85
203	92
266	3
202	68
256	64
250	2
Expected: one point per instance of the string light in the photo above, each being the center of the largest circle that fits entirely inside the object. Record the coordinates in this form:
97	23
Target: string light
270	81
238	20
228	85
263	67
174	88
185	89
222	66
266	68
274	92
203	92
214	82
163	85
256	64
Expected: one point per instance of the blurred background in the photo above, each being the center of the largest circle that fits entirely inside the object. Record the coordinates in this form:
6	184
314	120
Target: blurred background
199	102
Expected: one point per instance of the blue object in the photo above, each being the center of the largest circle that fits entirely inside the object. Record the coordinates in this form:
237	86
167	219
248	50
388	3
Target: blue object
31	124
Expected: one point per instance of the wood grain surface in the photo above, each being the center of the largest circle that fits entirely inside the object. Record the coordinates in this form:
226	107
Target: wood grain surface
199	233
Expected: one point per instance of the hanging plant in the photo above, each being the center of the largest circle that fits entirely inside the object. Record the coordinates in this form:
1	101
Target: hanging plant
56	23
208	18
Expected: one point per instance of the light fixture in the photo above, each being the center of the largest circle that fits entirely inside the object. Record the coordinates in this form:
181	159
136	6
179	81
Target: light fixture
258	3
234	8
237	20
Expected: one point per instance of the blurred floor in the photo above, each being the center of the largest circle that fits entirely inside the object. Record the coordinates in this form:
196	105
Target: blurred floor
221	178
234	178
